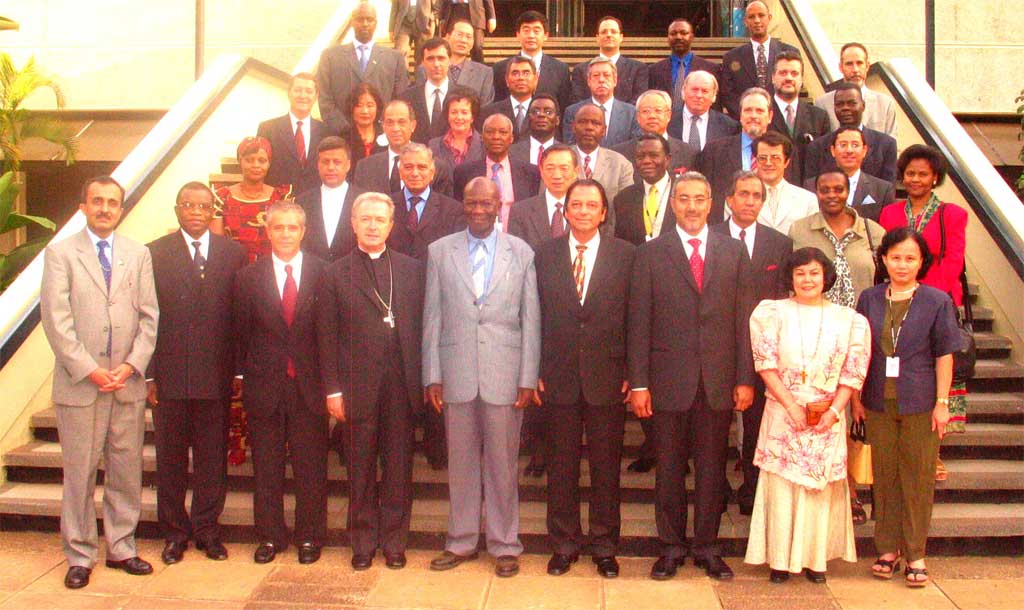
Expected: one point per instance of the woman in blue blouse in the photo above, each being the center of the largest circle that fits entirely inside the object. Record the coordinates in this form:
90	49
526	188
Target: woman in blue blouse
905	399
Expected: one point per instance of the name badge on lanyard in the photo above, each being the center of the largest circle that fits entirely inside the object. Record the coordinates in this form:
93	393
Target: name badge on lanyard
892	366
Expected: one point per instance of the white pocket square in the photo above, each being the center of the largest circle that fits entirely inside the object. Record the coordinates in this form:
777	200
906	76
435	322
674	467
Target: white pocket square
867	200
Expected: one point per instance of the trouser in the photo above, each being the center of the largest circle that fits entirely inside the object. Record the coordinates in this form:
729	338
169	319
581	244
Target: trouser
483	452
203	425
604	426
903	453
434	444
299	434
708	444
379	516
535	432
114	431
751	429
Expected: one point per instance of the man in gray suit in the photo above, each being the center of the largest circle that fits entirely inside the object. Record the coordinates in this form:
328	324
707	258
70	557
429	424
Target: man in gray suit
411	23
343	67
608	167
879	109
99	312
620	117
653	112
462	70
481	355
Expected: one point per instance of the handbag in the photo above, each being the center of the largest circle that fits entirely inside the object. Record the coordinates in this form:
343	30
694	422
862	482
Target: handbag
858	460
965	359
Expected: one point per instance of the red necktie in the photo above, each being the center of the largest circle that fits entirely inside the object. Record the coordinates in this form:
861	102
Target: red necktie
289	297
540	154
697	264
586	167
300	143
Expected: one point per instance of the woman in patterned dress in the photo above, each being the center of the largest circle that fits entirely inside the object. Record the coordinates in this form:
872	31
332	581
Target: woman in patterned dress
810	353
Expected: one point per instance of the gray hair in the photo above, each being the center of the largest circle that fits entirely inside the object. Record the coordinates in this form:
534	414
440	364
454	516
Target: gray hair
702	73
497	116
745	174
692	177
658	93
601	59
415	148
285	206
372	197
756	91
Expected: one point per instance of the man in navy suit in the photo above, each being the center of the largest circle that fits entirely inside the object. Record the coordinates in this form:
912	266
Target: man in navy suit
552	74
696	122
801	121
750	64
668	74
294	137
520	78
849	108
620	117
632	74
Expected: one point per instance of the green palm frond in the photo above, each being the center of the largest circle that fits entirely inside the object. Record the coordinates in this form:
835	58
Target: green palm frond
17	259
17	123
51	131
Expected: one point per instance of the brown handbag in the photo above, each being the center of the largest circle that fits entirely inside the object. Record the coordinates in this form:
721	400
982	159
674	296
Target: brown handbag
814	411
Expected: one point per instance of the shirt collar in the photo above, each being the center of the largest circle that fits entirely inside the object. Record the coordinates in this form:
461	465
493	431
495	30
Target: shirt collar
734	229
593	244
614	58
662	185
552	200
766	43
368	45
334	191
373	255
690	115
95	239
279	264
536	58
593	156
490	242
489	162
204	240
443	87
409	194
526	103
535	142
294	119
607	105
783	103
686	237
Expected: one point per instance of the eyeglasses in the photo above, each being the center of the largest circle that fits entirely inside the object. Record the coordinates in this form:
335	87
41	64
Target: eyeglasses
652	111
771	158
698	199
202	207
542	111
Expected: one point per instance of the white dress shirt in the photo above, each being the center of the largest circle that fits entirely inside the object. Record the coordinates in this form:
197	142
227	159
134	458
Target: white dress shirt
551	201
280	275
95	239
204	244
748	236
391	165
854	179
592	164
767	52
428	91
702	126
589	258
535	148
515	108
536	59
782	106
663	192
686	237
607	109
332	202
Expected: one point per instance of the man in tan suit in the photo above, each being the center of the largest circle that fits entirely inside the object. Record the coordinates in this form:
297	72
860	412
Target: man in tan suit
99	313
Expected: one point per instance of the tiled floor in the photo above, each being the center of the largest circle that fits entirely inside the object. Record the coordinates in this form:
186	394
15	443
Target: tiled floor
32	571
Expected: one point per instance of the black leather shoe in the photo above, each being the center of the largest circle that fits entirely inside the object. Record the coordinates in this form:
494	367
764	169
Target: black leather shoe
77	577
395	561
133	565
448	560
714	567
607	567
214	549
265	552
362	561
778	576
174	552
559	564
665	567
641	465
506	566
309	553
817	578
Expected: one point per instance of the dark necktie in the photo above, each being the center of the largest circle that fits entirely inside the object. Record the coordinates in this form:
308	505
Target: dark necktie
762	67
300	143
289	298
198	260
104	261
520	113
697	264
454	72
557	221
587	171
694	139
396	180
540	154
789	118
435	112
412	220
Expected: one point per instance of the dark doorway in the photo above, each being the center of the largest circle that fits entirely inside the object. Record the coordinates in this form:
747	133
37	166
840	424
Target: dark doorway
639	18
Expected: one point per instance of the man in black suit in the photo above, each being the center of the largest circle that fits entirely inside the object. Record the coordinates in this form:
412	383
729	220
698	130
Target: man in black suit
802	122
427	98
422	215
369	330
515	179
722	158
750	64
583	284
695	121
275	327
867	193
653	111
462	70
690	365
538	219
191	372
544	119
668	74
294	137
880	161
520	78
478	13
632	74
768	250
329	206
552	75
379	172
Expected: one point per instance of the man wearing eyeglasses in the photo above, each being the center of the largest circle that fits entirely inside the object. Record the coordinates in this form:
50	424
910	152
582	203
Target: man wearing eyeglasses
191	372
544	118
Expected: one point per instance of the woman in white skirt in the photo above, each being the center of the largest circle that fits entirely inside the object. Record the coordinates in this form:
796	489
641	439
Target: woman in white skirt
812	355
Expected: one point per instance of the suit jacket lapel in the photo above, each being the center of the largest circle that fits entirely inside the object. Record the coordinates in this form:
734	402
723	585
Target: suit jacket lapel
361	278
431	211
187	270
315	222
598	275
460	260
710	258
307	287
678	255
288	136
502	261
539	216
272	297
90	260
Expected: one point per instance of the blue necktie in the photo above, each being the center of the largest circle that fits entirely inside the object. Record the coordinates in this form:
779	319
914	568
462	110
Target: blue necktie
495	170
104	261
364	57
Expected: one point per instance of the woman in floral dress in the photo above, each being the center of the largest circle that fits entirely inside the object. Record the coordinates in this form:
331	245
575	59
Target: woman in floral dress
810	353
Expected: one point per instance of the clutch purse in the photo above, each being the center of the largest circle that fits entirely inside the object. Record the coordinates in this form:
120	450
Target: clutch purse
814	411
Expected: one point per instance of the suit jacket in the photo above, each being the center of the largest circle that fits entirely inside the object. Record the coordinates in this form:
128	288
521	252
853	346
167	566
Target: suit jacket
489	350
614	170
416	96
374	174
338	73
684	157
353	339
78	315
194	356
443	155
739	72
520	150
632	80
554	78
621	125
869	197
504	106
660	75
879	111
880	162
285	167
719	126
680	339
265	343
315	240
474	76
719	161
479	11
583	347
794	203
420	16
529	221
771	249
441	216
809	124
525	177
629	215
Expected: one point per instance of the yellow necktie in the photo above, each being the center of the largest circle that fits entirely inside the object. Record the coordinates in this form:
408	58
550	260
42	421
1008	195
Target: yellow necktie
651	209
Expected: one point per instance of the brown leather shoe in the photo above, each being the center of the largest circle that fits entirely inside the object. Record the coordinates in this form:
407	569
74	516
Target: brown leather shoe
448	560
77	577
506	566
133	565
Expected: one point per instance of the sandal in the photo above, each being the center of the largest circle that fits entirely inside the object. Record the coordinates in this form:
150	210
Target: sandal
941	474
915	583
860	517
889	567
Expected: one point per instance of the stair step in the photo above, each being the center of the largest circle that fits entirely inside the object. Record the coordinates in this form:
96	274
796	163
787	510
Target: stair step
991	340
1002	368
979	435
995	403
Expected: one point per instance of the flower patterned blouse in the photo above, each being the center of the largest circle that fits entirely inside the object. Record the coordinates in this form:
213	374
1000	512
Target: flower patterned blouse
814	350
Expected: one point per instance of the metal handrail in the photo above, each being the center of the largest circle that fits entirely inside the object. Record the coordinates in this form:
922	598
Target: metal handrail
818	47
